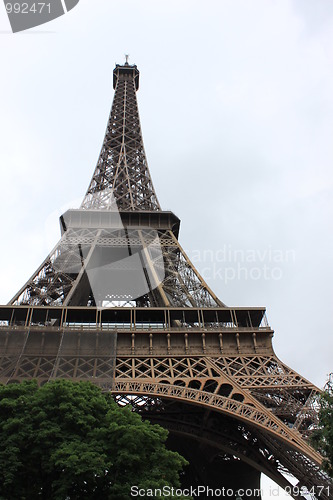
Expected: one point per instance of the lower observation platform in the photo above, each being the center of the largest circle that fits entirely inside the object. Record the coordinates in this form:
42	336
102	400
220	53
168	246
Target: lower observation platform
82	343
131	318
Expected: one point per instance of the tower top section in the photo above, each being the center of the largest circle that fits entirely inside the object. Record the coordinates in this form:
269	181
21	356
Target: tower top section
121	178
126	72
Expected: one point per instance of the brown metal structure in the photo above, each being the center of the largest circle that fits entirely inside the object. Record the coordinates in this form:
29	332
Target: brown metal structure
167	346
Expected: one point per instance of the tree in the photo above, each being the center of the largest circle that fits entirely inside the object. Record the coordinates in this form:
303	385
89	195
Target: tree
323	436
69	440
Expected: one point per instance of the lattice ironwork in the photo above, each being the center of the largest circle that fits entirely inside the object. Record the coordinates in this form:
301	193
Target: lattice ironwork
119	303
64	279
122	164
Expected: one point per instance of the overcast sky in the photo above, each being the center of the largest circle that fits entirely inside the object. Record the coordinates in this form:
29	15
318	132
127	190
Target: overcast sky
236	108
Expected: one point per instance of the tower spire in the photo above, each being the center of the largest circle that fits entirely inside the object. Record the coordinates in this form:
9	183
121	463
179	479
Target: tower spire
122	169
119	230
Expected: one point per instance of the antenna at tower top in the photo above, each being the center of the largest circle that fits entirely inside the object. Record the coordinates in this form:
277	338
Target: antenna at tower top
126	58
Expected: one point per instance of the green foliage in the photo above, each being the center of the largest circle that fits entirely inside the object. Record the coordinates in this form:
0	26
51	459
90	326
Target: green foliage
322	438
69	440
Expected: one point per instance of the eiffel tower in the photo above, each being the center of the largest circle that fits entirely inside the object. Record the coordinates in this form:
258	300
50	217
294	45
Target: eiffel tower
119	303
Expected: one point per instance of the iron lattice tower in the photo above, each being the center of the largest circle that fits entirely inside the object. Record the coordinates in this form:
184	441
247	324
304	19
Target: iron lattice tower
119	303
